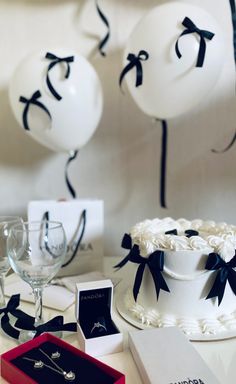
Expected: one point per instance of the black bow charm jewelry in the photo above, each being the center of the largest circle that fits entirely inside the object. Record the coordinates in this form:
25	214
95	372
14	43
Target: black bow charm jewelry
225	273
155	263
11	308
54	61
34	101
54	325
203	34
135	61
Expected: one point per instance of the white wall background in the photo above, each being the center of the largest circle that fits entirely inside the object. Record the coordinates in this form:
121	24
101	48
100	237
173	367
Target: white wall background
121	162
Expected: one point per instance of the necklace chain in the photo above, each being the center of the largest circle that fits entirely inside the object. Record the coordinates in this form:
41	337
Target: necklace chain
68	375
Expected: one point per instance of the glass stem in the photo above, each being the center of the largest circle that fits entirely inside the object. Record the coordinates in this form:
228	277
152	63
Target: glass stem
38	293
2	297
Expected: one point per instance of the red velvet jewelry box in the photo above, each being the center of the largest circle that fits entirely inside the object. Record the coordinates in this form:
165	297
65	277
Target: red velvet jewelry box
15	375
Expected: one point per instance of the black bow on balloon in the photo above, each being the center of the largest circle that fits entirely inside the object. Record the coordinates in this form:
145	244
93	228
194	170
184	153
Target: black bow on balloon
203	34
54	61
155	263
54	325
135	61
225	273
11	308
34	101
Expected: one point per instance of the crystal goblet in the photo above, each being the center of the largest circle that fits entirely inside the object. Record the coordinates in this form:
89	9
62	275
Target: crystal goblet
5	223
36	251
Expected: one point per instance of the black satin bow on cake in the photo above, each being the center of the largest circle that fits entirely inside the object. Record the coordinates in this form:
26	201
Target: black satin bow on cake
155	263
203	34
225	272
33	100
188	232
54	61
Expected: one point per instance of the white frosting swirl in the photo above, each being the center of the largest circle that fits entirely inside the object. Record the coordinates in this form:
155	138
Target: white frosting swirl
150	235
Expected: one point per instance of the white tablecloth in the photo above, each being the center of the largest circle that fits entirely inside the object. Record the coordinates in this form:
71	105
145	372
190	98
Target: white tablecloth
220	356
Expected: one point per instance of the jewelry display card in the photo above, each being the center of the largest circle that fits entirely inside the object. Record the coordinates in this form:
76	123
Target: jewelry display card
48	359
165	356
83	221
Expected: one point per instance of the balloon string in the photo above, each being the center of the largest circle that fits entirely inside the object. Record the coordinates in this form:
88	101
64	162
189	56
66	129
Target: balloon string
233	15
72	157
163	164
106	22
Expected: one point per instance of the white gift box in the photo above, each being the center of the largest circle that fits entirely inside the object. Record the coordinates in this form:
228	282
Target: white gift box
165	356
97	332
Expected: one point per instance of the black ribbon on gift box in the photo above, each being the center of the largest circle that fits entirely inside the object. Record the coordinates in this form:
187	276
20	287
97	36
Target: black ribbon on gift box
225	272
155	263
203	34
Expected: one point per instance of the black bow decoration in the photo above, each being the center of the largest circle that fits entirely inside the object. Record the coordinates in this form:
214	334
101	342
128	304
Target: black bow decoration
11	308
54	61
106	37
203	34
225	273
135	61
155	263
34	101
54	325
72	157
233	16
188	232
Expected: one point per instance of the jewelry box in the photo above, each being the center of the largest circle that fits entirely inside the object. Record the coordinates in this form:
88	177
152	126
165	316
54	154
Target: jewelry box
48	359
98	335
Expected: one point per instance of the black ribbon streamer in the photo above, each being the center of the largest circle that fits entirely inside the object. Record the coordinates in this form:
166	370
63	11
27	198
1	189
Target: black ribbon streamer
203	34
228	146
225	273
54	325
68	183
11	308
34	101
155	263
54	61
163	164
135	62
107	36
233	14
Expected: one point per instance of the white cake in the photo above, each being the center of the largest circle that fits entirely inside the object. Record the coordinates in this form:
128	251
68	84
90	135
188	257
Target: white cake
185	274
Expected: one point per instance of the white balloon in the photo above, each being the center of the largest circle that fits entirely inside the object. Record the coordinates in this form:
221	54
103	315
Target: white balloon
172	86
75	117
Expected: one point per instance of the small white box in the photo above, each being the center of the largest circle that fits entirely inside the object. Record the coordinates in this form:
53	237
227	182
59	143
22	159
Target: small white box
165	356
97	333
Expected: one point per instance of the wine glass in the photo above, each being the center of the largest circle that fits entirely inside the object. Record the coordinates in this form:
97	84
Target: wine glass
5	223
36	251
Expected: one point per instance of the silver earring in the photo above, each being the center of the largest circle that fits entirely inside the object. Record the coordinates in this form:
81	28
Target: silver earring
55	355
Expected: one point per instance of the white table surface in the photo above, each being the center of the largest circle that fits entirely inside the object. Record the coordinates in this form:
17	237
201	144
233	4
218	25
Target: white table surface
220	356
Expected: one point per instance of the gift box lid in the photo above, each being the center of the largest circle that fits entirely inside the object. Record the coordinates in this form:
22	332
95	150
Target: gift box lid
166	356
92	296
